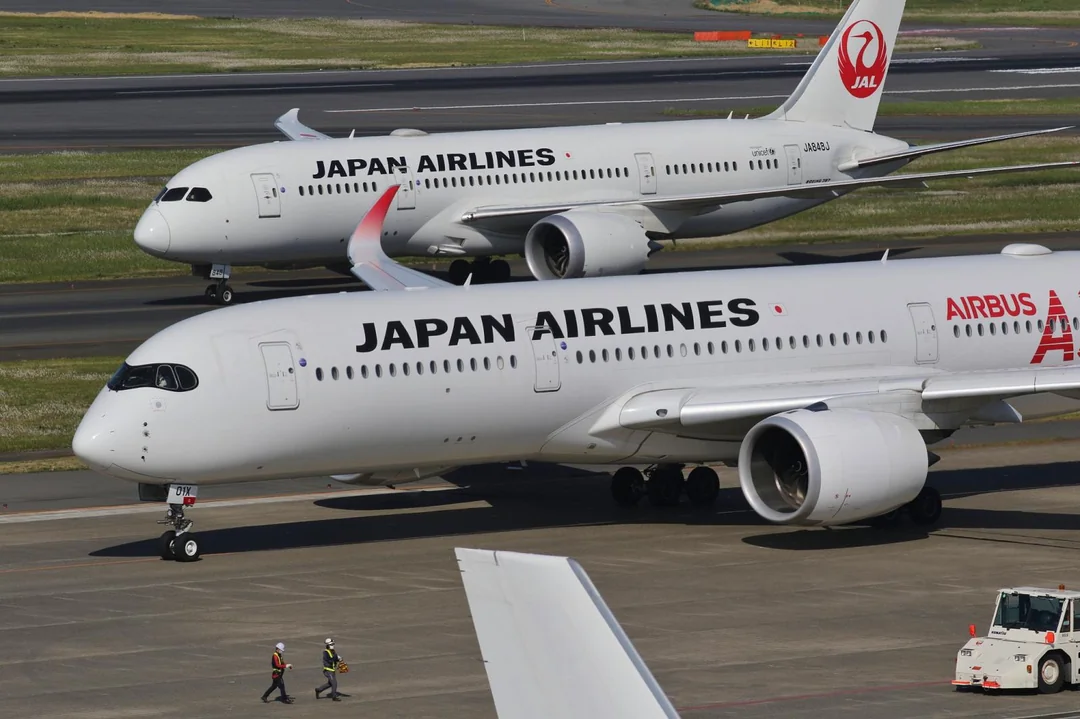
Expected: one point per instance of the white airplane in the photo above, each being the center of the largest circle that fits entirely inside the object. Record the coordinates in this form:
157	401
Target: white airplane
550	644
579	201
825	383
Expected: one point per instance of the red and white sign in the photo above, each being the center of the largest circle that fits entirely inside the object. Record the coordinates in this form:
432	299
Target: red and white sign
864	41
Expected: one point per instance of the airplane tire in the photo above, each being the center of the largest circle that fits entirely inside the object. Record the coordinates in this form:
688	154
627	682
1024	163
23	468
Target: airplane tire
165	544
925	509
225	295
627	487
186	547
499	271
664	487
459	271
702	487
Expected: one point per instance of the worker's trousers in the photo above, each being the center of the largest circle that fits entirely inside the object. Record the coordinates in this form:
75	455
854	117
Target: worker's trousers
279	683
331	682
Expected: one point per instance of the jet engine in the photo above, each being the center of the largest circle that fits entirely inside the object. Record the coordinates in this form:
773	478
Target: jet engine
584	243
818	466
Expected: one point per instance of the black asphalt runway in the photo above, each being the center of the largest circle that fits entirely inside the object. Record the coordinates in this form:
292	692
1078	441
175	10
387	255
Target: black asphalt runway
237	109
114	317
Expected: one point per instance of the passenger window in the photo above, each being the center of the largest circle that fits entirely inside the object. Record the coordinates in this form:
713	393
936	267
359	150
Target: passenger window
513	361
199	194
348	372
174	195
318	373
334	372
166	378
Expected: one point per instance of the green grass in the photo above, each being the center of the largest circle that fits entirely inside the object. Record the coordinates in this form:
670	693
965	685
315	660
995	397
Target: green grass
995	12
82	45
41	402
961	108
69	216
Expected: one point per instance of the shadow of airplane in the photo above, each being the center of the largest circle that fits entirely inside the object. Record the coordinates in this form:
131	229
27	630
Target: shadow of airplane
495	498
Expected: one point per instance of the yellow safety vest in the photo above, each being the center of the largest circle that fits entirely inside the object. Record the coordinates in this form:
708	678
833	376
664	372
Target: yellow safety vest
333	666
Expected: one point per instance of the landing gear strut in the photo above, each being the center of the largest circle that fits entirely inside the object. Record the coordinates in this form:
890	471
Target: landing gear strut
484	270
219	292
178	543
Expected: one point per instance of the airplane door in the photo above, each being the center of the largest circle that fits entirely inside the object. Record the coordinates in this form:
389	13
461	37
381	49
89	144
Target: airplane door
794	162
406	195
646	172
546	359
926	344
267	192
280	376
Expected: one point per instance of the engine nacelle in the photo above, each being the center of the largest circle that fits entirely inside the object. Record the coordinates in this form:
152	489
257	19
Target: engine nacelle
831	466
585	243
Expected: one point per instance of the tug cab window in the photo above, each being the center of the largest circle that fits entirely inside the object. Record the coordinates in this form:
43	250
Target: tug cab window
199	194
169	377
174	194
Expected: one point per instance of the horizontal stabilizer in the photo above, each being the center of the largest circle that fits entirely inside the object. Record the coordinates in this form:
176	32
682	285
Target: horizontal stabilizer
916	152
705	201
371	265
550	645
289	124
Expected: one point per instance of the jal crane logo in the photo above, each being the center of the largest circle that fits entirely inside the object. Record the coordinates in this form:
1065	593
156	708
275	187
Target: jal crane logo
866	74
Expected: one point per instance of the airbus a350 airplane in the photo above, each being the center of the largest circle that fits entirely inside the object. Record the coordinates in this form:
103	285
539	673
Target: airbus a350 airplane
824	382
576	201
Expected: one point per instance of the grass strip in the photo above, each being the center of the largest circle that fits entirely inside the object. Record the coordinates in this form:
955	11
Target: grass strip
959	12
1004	107
42	401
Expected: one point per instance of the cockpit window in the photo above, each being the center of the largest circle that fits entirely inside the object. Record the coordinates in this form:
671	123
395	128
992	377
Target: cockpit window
199	194
174	194
169	377
160	193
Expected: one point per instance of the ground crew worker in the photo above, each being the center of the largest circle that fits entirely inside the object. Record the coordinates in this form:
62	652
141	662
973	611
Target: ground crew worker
330	662
277	673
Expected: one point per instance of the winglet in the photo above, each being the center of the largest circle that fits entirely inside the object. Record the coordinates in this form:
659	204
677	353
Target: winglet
551	646
371	265
290	126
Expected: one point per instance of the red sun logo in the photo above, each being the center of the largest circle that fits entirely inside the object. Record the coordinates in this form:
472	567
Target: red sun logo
866	74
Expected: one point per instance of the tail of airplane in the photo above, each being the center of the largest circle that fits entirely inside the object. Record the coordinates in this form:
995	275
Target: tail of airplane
844	85
551	646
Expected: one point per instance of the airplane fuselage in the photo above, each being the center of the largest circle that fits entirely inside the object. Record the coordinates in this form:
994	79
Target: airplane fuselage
393	386
296	202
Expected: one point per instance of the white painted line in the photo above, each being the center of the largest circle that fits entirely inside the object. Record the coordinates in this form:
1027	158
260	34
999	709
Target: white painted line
261	88
1043	71
573	103
159	507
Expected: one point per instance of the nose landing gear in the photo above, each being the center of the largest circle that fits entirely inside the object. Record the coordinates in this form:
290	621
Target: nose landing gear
218	292
179	543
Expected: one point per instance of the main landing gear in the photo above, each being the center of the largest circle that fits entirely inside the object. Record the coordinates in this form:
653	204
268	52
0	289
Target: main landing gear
484	270
179	543
924	511
664	485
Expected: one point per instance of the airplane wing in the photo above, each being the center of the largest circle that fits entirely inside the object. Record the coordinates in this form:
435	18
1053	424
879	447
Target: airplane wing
551	646
916	152
371	265
706	201
289	124
685	409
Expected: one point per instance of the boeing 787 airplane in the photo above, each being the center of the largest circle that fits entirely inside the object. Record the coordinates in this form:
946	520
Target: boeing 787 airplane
824	383
583	201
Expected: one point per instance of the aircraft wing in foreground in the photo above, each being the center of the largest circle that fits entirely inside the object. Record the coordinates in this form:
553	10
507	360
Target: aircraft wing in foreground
551	646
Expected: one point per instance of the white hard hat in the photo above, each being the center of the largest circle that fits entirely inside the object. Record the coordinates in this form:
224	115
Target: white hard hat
280	647
329	641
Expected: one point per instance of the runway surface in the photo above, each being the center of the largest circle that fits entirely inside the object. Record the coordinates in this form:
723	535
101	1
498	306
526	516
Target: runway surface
235	109
734	617
113	317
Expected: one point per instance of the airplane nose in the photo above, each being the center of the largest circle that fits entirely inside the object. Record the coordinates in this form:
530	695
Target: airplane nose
152	233
93	441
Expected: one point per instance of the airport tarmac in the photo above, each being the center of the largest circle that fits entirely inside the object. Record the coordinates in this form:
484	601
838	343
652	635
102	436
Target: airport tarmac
231	109
735	618
95	318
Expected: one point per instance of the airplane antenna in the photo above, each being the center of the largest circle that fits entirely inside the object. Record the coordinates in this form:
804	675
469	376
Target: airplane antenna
351	134
885	257
747	116
732	112
468	280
